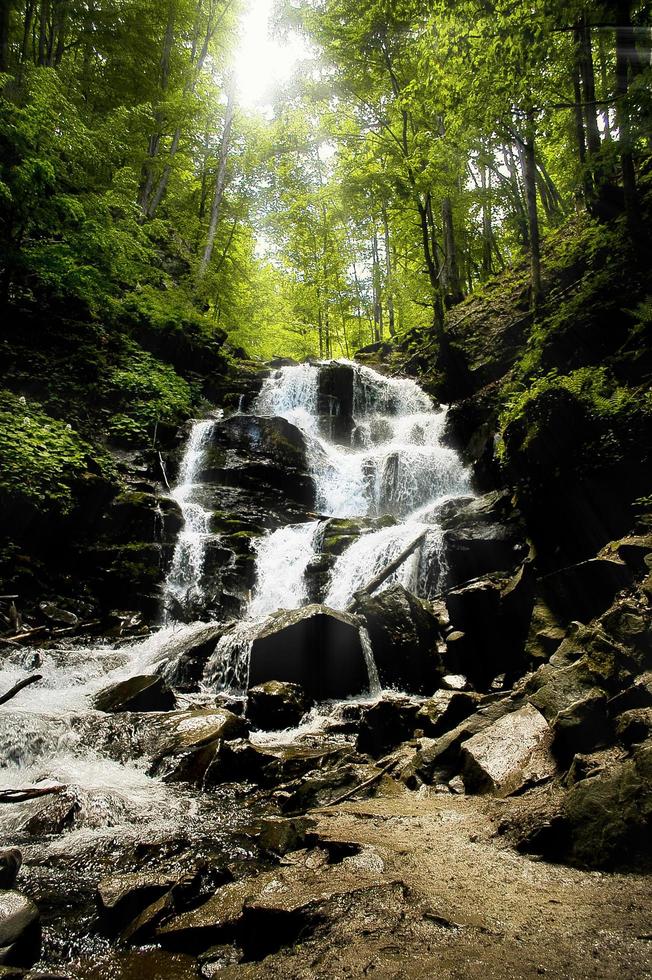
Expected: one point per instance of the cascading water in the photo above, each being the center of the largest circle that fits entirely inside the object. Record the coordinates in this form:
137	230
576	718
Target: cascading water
395	467
184	578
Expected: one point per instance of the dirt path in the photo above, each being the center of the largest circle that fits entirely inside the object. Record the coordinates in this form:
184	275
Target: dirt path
452	900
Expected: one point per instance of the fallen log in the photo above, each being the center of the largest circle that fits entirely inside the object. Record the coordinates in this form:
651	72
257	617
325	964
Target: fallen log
378	579
29	793
19	687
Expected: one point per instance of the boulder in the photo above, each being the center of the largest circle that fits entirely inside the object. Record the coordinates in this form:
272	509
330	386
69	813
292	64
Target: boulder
583	591
275	705
335	404
637	695
581	727
629	623
482	535
20	930
510	754
607	817
10	862
445	710
386	724
634	726
184	667
316	647
494	615
282	834
144	692
184	743
404	633
121	898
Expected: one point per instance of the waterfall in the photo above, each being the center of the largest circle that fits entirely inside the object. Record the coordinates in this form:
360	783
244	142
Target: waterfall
185	575
281	561
396	467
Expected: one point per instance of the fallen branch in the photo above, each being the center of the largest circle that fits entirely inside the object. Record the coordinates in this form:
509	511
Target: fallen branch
378	579
30	793
356	789
19	687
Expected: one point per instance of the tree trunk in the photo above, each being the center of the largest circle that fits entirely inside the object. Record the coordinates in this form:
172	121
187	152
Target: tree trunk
431	266
43	33
530	181
624	46
4	36
377	291
220	178
27	30
389	274
593	143
605	87
450	253
578	115
487	232
147	178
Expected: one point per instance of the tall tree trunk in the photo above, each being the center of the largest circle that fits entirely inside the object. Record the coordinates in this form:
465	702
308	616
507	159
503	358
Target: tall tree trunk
487	231
389	274
4	36
43	33
27	30
220	177
605	87
625	49
593	143
377	291
147	177
578	115
517	196
530	181
431	265
450	253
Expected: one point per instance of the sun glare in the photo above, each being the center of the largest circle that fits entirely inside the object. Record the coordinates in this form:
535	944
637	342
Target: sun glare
263	61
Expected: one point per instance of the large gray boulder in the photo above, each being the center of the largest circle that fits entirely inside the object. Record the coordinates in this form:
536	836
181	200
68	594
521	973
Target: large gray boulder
275	705
316	647
485	534
404	632
20	930
509	754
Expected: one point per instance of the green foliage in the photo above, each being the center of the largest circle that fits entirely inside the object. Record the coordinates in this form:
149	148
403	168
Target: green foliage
43	462
145	393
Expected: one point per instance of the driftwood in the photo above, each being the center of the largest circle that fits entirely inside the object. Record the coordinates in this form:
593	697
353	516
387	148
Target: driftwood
29	793
378	579
356	789
19	687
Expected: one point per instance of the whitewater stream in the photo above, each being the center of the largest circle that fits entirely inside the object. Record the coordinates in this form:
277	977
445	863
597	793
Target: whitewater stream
394	472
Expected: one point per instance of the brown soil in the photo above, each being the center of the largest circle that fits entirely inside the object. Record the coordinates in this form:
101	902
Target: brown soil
451	899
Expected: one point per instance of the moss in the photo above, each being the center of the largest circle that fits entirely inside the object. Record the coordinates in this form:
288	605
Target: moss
44	463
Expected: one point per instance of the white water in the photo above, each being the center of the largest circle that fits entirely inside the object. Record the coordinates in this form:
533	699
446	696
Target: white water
185	577
395	465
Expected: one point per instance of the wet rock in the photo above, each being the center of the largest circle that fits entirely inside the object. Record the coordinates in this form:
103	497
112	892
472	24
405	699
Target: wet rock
185	667
629	622
404	633
319	788
454	682
58	615
634	726
335	404
133	903
511	753
637	695
315	647
239	761
20	930
10	862
275	705
145	692
386	724
483	535
445	710
581	727
583	591
183	744
544	634
607	817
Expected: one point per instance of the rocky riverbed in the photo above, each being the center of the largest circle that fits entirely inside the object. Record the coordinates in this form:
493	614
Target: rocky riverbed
447	774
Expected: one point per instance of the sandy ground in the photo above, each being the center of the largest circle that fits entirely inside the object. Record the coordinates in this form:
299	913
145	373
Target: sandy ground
450	899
